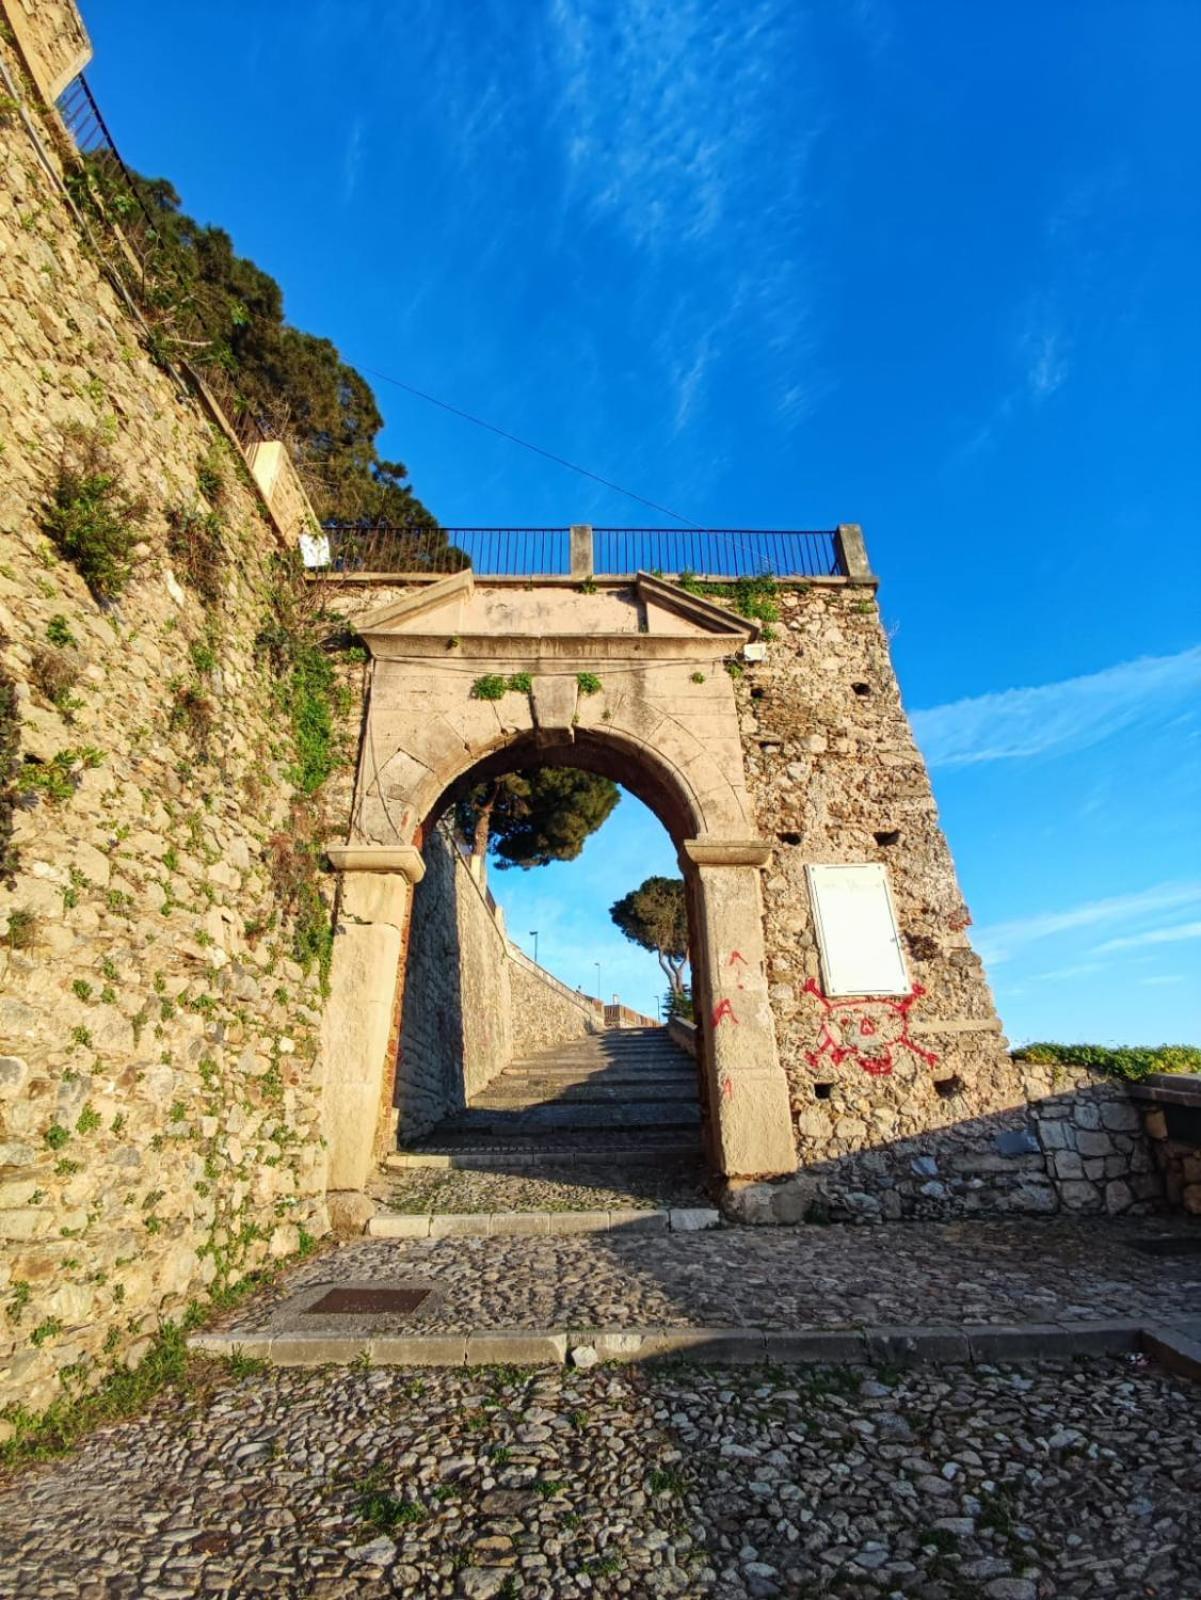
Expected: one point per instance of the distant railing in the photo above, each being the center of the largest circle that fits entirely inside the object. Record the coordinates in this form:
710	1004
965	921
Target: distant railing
617	552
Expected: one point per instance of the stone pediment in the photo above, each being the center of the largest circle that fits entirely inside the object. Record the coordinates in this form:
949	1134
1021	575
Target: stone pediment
476	614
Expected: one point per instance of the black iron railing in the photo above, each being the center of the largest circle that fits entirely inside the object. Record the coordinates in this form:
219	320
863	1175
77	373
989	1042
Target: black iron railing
499	552
546	552
110	180
716	552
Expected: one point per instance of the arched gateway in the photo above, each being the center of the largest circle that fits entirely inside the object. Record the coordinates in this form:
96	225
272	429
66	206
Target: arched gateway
629	682
845	1025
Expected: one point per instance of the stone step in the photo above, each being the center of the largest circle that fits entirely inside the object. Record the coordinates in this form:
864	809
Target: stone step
583	1063
560	1118
528	1155
498	1096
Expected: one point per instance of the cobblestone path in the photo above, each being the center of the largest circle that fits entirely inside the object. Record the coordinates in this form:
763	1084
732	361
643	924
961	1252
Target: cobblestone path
1032	1483
1057	1270
548	1187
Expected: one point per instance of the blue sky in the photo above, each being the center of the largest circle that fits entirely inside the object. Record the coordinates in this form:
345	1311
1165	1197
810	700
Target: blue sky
932	268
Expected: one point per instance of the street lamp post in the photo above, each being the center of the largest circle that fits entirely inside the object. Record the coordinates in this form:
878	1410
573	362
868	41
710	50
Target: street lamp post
596	964
534	936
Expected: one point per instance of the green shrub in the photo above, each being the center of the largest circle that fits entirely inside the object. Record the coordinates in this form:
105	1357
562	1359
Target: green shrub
92	518
588	683
492	686
56	780
1119	1061
58	632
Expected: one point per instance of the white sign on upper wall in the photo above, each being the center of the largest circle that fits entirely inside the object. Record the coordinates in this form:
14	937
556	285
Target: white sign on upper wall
857	931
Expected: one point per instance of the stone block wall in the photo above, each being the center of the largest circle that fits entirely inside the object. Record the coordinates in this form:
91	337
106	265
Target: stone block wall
472	1003
159	1104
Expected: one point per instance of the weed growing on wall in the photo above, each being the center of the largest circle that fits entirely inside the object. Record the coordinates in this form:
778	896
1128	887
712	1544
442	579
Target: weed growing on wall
494	686
755	598
55	673
10	760
294	862
196	545
92	517
307	686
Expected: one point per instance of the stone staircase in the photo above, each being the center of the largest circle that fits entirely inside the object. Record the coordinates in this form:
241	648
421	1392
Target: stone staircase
626	1095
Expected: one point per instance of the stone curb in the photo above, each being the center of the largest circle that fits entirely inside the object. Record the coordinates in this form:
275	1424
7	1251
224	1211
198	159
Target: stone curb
1175	1349
896	1346
507	1224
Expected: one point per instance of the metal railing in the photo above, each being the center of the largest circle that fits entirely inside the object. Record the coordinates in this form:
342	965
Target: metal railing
498	552
111	182
105	187
717	552
546	552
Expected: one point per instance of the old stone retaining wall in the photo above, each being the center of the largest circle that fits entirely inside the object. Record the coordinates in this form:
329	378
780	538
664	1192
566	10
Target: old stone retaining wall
835	777
545	1011
1080	1145
472	1002
158	1089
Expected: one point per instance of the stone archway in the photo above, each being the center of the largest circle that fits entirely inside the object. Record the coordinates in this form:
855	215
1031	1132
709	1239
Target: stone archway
470	677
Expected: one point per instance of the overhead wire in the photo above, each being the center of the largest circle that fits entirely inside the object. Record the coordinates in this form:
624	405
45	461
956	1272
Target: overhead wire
549	455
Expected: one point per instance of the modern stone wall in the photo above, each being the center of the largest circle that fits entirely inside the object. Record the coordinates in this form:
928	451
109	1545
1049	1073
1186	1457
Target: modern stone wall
158	1090
473	1002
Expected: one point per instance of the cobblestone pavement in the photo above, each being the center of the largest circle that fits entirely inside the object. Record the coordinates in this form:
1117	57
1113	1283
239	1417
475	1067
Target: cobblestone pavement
780	1278
1038	1483
553	1188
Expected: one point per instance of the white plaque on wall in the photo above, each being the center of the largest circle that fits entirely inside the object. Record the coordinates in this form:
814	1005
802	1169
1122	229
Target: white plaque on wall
857	931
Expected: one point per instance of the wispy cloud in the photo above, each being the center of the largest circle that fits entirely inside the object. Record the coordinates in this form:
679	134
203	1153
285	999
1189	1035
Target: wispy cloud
688	128
665	98
1055	718
1047	364
1135	941
1003	940
352	159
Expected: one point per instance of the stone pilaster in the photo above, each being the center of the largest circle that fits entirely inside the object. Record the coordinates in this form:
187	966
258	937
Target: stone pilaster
376	889
747	1089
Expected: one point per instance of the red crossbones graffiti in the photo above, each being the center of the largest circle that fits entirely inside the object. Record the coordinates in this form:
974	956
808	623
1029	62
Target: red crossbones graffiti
886	1023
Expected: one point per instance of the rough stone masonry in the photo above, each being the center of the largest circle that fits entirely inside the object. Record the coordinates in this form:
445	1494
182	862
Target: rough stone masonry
177	1096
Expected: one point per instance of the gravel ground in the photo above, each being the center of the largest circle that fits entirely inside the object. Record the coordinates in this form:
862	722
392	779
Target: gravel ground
542	1189
1058	1270
1038	1483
